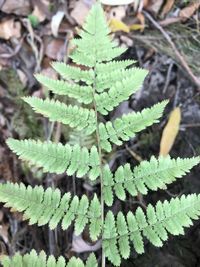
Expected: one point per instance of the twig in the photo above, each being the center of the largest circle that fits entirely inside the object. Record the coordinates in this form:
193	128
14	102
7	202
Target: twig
167	81
133	154
177	53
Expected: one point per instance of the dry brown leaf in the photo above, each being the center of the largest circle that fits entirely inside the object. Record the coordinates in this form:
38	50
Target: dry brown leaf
80	11
18	7
10	28
170	132
154	6
116	2
189	10
39	14
167	7
117	25
141	19
55	49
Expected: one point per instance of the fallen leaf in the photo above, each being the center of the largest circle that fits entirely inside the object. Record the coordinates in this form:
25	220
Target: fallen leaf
80	12
141	19
189	10
116	2
10	28
136	27
38	13
56	21
154	6
167	7
80	246
170	132
138	5
54	49
18	7
117	25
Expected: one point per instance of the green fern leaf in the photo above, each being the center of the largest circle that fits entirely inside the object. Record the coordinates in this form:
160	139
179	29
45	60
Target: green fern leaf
154	174
119	92
91	261
58	158
109	79
95	44
33	259
82	219
125	127
107	68
108	183
95	218
74	116
73	73
110	240
166	217
83	94
70	215
103	84
124	245
49	207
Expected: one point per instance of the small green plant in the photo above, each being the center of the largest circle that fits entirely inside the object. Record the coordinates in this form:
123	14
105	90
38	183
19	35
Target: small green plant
100	87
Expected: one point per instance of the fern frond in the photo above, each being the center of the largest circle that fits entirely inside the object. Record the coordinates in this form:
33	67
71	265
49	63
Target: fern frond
80	138
74	116
49	207
124	128
103	68
41	260
119	92
83	94
90	60
95	45
58	158
148	175
73	73
167	217
109	79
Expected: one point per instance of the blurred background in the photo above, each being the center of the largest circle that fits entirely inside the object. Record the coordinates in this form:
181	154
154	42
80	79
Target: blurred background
163	36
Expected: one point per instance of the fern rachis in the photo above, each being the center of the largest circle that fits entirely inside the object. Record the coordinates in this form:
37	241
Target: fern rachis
101	87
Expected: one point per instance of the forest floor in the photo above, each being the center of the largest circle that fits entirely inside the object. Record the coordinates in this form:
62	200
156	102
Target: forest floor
163	37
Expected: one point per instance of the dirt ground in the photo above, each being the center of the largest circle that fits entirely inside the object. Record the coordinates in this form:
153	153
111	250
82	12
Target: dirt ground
34	33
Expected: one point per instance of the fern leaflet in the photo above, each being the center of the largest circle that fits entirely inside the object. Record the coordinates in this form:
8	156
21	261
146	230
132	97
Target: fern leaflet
74	116
119	92
167	217
107	80
74	73
48	207
108	67
41	260
122	129
149	175
83	94
58	158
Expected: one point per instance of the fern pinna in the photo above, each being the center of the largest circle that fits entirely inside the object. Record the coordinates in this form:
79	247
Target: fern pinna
100	87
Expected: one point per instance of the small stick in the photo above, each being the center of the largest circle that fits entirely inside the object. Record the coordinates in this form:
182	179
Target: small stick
178	54
167	81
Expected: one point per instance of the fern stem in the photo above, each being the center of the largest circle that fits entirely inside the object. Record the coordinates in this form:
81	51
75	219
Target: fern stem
101	166
100	156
